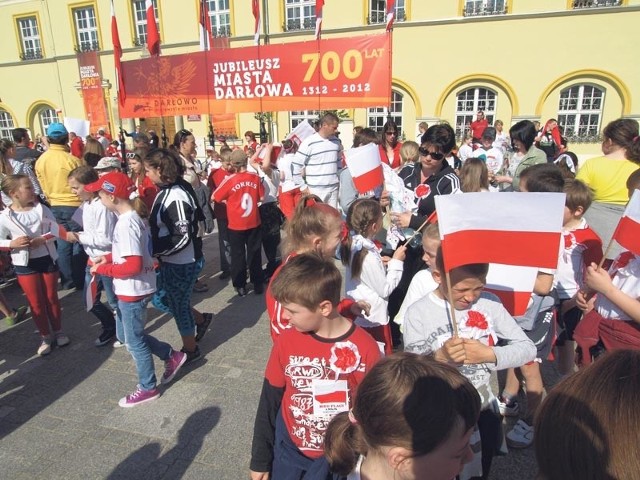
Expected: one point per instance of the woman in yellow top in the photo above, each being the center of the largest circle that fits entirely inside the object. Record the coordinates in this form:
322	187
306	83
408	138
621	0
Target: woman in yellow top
607	176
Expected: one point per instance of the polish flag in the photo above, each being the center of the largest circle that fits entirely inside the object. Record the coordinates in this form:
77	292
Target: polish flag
319	5
153	37
365	166
302	131
206	35
627	232
255	7
512	285
516	228
391	13
117	56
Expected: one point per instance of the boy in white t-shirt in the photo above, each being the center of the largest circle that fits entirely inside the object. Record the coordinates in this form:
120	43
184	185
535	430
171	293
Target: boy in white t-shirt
134	281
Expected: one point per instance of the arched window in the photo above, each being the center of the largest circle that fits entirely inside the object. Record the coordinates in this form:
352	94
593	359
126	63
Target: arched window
468	102
47	116
580	111
378	116
6	124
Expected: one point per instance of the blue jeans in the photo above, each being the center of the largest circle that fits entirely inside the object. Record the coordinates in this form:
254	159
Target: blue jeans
105	314
131	317
224	245
71	257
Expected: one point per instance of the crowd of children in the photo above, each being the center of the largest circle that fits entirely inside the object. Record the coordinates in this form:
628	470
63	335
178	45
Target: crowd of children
331	406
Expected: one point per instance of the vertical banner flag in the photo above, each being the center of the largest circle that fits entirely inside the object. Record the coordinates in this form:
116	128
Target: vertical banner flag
255	6
117	56
319	5
391	13
95	107
365	166
627	232
206	35
524	231
153	37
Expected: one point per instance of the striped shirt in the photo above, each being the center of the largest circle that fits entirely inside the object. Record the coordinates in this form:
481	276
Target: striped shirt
319	159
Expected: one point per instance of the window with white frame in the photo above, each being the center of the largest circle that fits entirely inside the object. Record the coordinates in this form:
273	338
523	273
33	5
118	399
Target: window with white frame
29	38
220	17
298	116
469	102
6	124
595	3
140	20
300	14
378	11
580	112
47	116
378	116
86	26
473	8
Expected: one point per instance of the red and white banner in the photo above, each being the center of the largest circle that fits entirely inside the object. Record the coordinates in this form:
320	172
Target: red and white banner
365	166
313	75
206	35
516	228
319	5
391	13
95	107
627	232
255	8
153	36
512	285
117	57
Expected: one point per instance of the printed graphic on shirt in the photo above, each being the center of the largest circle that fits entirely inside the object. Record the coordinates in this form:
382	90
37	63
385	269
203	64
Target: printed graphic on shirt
422	191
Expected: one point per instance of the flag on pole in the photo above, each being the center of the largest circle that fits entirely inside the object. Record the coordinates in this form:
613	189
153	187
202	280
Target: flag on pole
256	14
319	5
627	232
117	56
206	35
512	285
365	166
391	13
517	228
302	131
153	37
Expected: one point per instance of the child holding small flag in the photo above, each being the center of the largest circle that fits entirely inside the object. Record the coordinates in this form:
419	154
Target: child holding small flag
481	321
312	374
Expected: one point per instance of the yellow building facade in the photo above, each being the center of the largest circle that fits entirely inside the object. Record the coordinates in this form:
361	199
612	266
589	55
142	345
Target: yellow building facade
574	60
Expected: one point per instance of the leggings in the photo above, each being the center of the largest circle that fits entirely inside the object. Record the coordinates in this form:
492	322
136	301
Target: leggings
39	281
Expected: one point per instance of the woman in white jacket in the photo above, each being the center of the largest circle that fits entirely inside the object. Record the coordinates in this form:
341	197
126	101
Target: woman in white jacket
367	277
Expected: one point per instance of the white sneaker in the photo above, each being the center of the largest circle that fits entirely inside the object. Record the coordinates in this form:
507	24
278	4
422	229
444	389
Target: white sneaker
61	339
508	409
118	344
521	435
45	346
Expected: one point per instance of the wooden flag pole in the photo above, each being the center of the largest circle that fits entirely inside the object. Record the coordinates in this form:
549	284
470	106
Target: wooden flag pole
606	252
418	230
454	323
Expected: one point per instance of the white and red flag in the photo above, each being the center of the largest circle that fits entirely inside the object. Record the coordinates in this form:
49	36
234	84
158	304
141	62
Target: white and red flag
319	5
153	37
517	228
512	285
206	35
302	131
391	13
365	166
255	7
117	56
627	232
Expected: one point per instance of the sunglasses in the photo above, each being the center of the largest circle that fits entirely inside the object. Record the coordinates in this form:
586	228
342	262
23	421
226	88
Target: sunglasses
434	155
391	133
132	155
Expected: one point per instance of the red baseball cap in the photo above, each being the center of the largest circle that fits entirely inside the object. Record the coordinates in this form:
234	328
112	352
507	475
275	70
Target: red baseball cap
116	183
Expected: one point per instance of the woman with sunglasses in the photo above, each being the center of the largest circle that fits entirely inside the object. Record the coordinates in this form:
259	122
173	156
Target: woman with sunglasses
431	175
390	146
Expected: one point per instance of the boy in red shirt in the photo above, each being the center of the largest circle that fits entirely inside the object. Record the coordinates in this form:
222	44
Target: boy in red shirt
242	192
312	374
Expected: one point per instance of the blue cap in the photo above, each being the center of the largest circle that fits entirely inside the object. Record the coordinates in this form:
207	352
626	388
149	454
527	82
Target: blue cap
57	130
